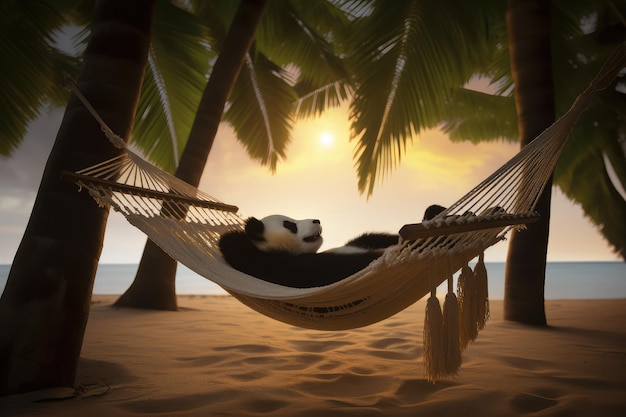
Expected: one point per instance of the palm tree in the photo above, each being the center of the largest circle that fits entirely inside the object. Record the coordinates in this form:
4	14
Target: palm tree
408	58
531	67
27	36
597	140
154	284
261	114
383	125
45	304
416	83
178	62
261	108
584	34
35	29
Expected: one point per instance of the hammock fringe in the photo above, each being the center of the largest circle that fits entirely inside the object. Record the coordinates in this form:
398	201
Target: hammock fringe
434	353
466	289
482	293
451	333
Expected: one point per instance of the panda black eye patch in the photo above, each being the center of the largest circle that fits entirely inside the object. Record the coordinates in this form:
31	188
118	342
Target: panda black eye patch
293	228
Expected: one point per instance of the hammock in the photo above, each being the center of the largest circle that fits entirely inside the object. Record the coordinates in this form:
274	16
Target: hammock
187	224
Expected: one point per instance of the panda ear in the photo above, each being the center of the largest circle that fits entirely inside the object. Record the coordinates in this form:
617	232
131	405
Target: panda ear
433	211
255	229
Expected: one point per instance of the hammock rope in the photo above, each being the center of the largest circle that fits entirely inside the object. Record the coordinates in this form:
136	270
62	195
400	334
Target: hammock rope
187	224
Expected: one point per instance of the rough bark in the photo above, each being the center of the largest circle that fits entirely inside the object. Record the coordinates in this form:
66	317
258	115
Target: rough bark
154	284
45	305
528	27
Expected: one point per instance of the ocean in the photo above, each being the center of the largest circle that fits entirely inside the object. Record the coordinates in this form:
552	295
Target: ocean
564	280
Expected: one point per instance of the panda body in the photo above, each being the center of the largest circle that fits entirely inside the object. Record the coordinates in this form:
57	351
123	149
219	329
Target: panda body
283	250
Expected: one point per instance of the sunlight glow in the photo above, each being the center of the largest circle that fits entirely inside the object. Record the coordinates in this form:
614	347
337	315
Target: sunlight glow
326	139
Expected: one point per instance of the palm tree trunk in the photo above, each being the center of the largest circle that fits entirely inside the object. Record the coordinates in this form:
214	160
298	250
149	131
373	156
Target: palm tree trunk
528	27
154	284
45	305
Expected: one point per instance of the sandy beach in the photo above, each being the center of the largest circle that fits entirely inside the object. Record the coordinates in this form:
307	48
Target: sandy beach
216	357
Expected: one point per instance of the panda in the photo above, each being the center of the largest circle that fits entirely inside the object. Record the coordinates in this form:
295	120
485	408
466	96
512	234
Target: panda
283	250
282	233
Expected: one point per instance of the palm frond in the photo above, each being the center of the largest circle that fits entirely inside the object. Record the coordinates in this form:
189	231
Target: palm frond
306	37
406	66
615	154
591	187
476	117
217	16
35	70
261	111
581	172
313	100
599	135
173	85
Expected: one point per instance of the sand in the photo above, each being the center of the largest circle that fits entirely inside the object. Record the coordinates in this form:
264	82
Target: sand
216	357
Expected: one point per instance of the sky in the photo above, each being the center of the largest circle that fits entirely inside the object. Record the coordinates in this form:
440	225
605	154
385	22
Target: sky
318	180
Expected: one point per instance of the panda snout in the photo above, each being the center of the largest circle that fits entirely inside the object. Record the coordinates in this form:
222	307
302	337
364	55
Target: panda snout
316	232
314	237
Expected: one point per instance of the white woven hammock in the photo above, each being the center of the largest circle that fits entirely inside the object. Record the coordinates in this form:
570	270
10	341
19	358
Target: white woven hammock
428	255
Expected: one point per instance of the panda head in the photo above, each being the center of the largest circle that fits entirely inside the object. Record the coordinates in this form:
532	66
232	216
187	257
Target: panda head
283	233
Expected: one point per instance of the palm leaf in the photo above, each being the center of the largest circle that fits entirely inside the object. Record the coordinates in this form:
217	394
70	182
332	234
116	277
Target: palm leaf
314	100
581	172
615	153
261	110
304	37
476	117
406	67
217	16
293	35
173	85
35	71
598	197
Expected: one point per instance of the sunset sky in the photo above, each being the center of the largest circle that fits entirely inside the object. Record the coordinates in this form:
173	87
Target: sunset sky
318	180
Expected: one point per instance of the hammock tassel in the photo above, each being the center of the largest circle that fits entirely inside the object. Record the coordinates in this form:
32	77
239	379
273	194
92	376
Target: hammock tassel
451	342
434	358
466	289
482	293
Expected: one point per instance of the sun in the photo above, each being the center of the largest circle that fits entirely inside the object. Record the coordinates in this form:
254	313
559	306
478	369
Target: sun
326	139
